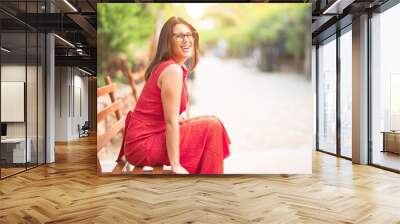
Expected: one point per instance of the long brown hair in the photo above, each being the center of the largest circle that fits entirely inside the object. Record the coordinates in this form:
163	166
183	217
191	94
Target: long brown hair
164	46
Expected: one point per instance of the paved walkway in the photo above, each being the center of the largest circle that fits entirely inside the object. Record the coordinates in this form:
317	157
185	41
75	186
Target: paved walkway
268	116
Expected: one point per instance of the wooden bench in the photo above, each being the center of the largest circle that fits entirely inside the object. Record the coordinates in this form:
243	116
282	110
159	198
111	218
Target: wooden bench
117	112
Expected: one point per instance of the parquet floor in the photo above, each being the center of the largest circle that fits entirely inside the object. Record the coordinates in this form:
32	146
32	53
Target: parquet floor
9	171
69	191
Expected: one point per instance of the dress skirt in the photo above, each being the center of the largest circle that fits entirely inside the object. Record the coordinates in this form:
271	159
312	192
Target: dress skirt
204	144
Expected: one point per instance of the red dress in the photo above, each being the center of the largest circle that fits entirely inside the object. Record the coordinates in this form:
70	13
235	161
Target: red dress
203	140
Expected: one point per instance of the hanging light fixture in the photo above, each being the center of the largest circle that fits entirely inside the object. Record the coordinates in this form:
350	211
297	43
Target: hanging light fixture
5	50
64	40
70	5
84	71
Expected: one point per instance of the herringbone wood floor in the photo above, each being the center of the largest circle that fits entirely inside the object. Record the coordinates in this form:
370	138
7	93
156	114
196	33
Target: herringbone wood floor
69	191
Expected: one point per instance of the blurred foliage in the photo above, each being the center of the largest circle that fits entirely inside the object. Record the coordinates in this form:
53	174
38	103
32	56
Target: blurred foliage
119	27
246	26
125	31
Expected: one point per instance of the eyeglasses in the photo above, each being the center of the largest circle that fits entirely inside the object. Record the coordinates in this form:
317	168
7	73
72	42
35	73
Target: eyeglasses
180	36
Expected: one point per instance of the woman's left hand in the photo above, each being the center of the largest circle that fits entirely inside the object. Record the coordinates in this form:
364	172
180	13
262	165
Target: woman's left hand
179	170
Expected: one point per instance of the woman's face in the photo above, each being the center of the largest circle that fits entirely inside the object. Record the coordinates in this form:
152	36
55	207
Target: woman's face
182	42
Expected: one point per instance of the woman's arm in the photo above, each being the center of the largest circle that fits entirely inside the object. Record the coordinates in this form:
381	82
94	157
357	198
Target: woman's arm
170	82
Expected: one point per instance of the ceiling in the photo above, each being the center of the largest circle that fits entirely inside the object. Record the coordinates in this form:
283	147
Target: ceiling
329	15
76	21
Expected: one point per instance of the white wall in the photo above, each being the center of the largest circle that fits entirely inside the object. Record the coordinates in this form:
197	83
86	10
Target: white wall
12	73
33	127
71	87
61	103
80	94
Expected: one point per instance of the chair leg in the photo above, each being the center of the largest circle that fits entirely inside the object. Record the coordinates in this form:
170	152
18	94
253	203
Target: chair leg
137	170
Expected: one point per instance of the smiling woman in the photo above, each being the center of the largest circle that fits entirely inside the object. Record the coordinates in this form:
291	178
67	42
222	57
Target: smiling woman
154	133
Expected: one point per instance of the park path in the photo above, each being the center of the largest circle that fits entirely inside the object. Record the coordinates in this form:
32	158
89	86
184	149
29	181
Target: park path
268	116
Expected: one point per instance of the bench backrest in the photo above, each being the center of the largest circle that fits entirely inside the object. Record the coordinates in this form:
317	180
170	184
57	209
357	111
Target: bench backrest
114	109
119	107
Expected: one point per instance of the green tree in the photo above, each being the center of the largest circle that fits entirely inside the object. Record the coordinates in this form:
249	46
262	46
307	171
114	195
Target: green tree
121	26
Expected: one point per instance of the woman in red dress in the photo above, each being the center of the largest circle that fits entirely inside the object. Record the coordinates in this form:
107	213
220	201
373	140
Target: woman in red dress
154	133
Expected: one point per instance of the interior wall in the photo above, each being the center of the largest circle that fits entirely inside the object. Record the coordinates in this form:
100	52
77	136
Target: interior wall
17	73
41	114
80	109
31	128
71	102
61	103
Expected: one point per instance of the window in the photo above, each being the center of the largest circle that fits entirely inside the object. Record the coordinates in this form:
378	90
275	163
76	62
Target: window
385	89
327	96
22	75
346	92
